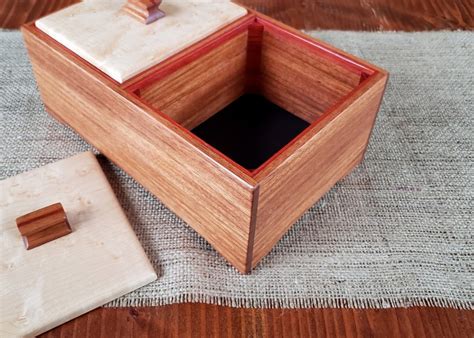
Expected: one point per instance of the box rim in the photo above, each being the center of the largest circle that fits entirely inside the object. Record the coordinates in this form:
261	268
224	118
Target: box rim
373	75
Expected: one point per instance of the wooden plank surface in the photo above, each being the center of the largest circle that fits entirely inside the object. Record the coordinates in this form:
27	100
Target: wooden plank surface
372	15
203	320
404	15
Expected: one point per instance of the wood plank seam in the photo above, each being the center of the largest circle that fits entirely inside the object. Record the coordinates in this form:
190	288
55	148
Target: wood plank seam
252	227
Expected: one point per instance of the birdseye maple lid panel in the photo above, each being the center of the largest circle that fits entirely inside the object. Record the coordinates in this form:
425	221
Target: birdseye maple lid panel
121	46
100	260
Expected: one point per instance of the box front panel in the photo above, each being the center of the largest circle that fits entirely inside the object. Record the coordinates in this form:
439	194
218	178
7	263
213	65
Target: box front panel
324	157
208	196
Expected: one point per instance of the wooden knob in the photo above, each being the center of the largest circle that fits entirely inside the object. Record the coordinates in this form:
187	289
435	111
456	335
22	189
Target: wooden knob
146	11
43	225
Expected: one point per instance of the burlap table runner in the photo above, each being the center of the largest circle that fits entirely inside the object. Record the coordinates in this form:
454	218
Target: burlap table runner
397	231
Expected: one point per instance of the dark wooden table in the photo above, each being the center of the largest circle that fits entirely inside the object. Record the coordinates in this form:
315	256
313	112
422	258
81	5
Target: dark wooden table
201	320
407	15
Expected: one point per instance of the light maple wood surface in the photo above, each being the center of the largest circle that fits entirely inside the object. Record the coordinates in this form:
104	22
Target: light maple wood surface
100	260
121	46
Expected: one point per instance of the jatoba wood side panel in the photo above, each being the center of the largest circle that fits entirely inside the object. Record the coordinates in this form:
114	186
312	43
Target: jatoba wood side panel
254	58
326	156
302	81
147	146
202	88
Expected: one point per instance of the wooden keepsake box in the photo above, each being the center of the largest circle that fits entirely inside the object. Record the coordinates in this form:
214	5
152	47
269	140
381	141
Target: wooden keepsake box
236	122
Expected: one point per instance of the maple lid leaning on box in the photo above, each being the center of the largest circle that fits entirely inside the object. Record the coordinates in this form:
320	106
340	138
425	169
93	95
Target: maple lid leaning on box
102	33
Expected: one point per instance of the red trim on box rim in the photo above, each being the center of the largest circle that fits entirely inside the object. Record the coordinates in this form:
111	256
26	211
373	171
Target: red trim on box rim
184	58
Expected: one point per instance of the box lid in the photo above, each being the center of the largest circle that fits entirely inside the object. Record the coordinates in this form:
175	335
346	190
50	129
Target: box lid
122	46
100	260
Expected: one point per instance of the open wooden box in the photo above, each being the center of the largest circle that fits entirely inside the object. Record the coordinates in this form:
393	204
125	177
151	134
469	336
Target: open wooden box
312	108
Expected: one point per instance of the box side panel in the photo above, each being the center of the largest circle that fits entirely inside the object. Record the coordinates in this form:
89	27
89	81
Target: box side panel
324	158
200	89
300	80
208	196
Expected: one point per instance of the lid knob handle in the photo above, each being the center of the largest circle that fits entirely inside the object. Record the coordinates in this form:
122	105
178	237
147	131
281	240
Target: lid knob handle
43	225
146	11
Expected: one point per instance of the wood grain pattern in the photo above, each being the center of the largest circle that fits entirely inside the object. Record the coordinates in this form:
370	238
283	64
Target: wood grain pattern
297	79
326	152
328	155
100	260
281	74
14	13
149	147
203	87
370	15
318	47
301	81
254	58
147	125
203	320
43	225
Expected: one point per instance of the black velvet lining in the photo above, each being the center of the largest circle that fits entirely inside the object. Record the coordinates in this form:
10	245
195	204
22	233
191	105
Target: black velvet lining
250	130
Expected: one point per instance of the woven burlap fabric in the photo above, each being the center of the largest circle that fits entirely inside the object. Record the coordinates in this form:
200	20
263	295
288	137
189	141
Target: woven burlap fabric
397	231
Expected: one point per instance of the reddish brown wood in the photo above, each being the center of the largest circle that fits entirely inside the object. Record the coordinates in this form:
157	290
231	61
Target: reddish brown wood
254	58
146	11
14	13
202	320
190	194
43	225
371	15
158	108
197	90
406	15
